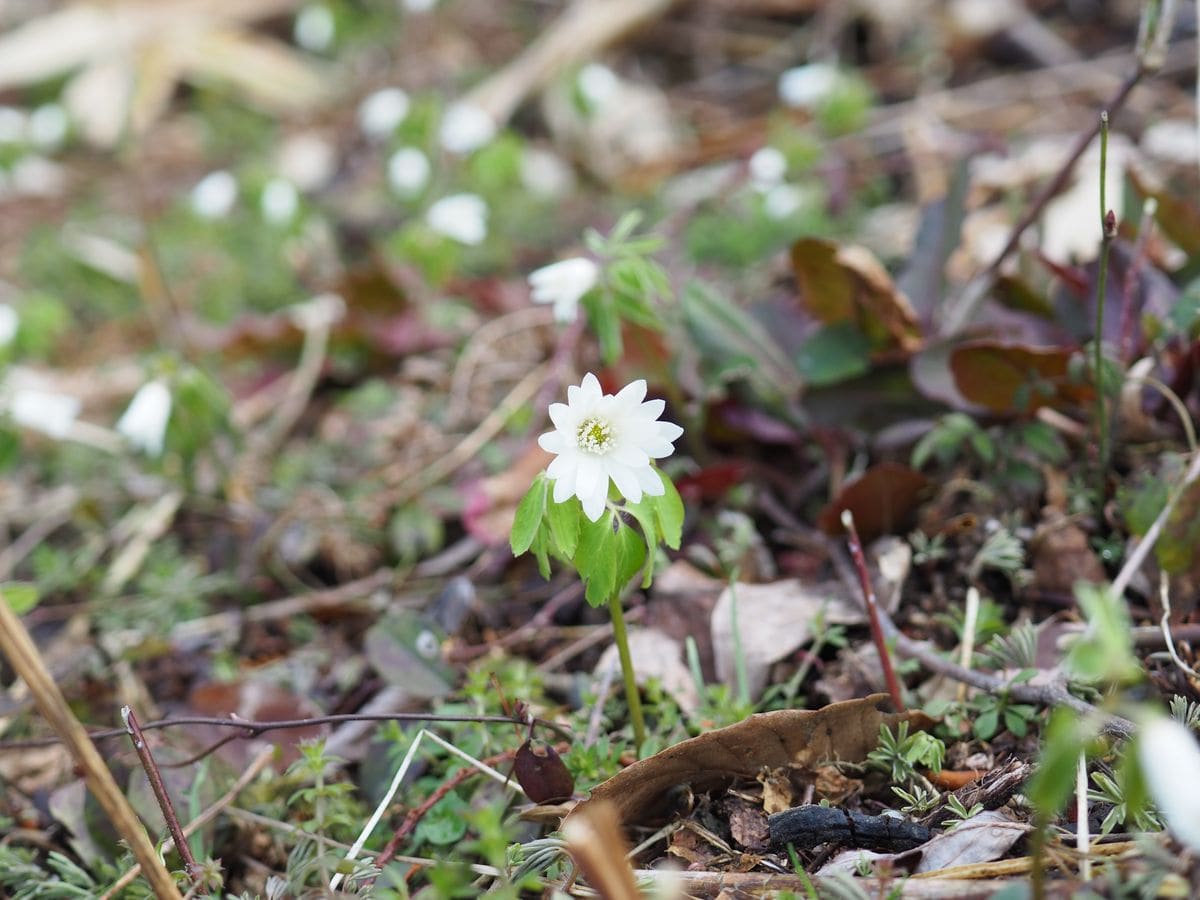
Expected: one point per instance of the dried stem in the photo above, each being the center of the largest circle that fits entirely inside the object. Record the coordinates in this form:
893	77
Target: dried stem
868	590
17	645
160	793
1108	231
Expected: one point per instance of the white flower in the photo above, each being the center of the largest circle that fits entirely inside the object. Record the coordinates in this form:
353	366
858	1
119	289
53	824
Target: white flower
563	284
461	217
46	411
314	29
48	126
1170	761
307	160
599	436
214	195
279	202
783	201
466	127
598	84
419	6
10	323
408	171
14	124
144	423
806	86
545	174
382	111
767	167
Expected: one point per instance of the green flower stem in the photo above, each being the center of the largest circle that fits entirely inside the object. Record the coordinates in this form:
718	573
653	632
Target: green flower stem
1107	233
632	697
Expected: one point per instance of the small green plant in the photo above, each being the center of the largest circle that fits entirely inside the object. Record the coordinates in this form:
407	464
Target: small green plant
918	800
899	753
949	437
1113	791
959	811
1001	551
1015	650
927	550
1185	712
994	709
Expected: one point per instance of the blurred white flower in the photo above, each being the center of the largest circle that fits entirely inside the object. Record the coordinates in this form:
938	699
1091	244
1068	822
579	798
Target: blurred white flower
465	127
321	312
214	195
10	323
545	174
598	84
783	201
598	437
307	160
461	217
314	28
14	125
1170	761
36	176
408	171
419	6
48	125
382	111
144	423
279	202
767	167
563	284
49	412
806	86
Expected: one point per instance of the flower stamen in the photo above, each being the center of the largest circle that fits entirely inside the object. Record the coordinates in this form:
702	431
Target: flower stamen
594	435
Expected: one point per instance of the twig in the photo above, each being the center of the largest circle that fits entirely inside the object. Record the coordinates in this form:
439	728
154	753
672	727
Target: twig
1142	550
1108	232
160	793
868	592
1164	593
256	766
29	665
253	728
977	289
1082	833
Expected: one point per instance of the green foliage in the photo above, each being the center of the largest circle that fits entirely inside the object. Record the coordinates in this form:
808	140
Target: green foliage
899	753
917	801
1126	794
1065	737
994	709
834	353
946	442
1185	712
1104	653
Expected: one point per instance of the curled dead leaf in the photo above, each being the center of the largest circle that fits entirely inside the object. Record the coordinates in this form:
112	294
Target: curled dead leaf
805	738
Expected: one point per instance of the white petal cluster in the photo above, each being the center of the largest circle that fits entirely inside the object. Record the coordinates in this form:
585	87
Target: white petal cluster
465	128
563	284
806	86
279	201
381	112
315	28
767	167
600	437
1170	761
49	412
408	171
214	195
460	217
144	422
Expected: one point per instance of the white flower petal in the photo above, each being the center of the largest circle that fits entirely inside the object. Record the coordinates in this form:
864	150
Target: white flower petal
144	423
808	85
652	409
564	484
593	504
767	167
634	393
465	127
49	412
460	217
590	387
626	480
552	442
629	455
408	171
588	476
382	112
564	283
1170	762
214	195
651	482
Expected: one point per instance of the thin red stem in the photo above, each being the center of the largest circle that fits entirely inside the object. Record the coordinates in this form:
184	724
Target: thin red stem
864	578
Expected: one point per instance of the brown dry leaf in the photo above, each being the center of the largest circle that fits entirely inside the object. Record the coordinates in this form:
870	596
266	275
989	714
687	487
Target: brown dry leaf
129	56
848	284
1062	556
790	737
748	824
777	791
1015	378
835	786
882	500
774	620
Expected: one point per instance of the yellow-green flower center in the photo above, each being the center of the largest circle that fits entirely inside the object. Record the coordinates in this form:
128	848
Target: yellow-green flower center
594	435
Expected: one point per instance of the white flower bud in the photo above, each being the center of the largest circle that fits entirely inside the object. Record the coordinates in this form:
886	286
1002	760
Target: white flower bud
460	217
381	112
563	284
408	171
280	201
214	195
767	167
465	128
806	86
1170	761
144	422
315	29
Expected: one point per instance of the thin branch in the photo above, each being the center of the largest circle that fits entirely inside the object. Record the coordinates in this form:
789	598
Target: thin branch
868	592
